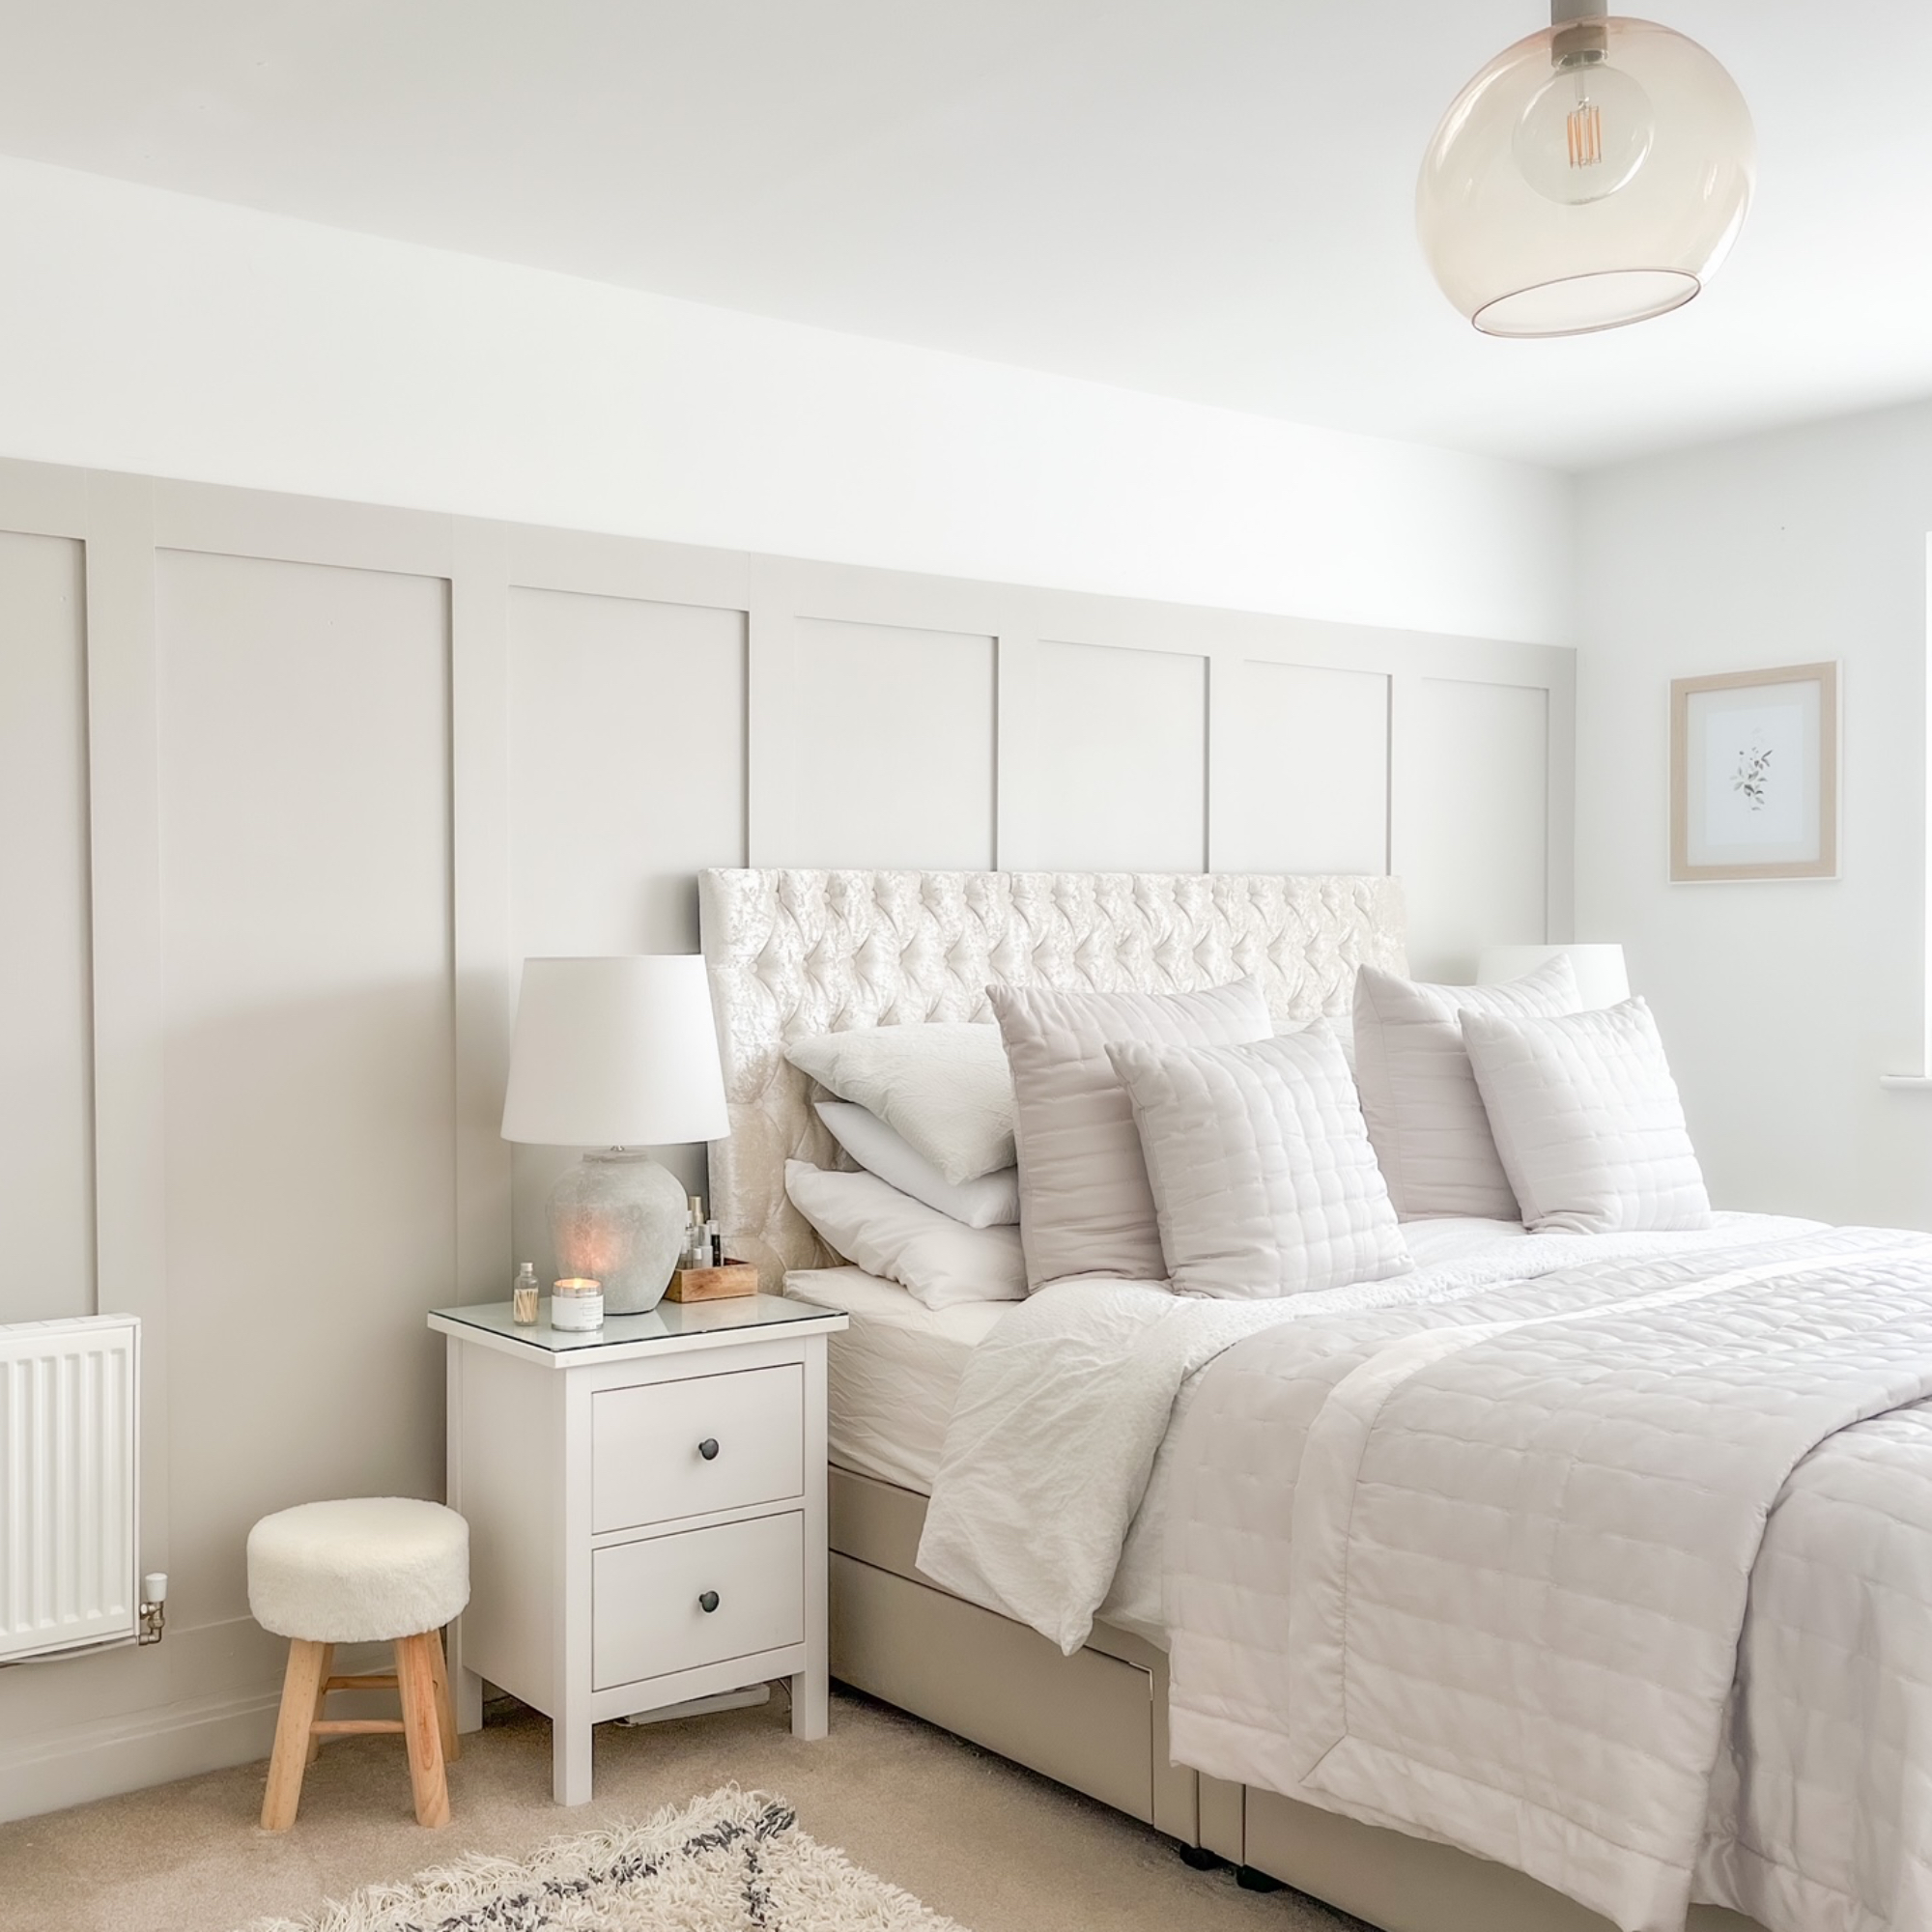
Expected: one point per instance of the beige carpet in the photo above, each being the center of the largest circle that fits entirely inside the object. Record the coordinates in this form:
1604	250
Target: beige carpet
973	1836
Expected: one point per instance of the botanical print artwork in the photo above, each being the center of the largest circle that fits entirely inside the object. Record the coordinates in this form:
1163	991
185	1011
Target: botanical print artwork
1752	777
1755	774
1754	756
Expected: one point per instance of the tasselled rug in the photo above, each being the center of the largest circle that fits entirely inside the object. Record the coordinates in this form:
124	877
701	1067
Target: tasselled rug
735	1861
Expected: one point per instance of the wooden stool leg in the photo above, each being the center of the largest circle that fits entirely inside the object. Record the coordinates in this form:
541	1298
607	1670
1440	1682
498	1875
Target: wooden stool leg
320	1701
416	1677
445	1711
307	1669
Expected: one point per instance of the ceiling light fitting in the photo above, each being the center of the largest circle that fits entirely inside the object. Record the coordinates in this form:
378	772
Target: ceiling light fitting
1591	175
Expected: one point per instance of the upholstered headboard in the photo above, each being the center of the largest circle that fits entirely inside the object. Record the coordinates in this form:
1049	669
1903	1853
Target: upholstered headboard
798	953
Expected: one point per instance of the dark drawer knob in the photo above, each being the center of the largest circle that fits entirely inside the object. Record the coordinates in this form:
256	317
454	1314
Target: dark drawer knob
708	1448
708	1601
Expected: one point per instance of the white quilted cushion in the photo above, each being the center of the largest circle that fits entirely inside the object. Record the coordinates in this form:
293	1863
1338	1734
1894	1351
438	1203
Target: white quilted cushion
1262	1176
1588	1121
889	1234
992	1200
365	1571
1084	1203
944	1086
1420	1098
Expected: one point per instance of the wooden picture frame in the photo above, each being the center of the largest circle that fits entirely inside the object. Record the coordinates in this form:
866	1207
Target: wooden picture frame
1755	774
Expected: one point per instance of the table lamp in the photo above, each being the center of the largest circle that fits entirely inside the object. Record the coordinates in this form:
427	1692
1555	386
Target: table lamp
1602	979
616	1056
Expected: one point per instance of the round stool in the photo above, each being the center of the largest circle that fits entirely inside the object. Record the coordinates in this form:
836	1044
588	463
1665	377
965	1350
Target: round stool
375	1570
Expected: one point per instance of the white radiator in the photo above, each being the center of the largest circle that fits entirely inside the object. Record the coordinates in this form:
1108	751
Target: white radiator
70	1395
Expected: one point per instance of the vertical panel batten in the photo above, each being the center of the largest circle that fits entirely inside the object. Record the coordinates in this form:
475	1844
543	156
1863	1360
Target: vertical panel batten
482	961
1560	801
128	992
1220	767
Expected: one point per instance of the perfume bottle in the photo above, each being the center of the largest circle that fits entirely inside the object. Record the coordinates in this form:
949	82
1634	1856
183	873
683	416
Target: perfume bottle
697	1243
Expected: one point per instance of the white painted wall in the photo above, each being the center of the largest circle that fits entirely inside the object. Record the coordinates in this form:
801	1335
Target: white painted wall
1780	1003
157	333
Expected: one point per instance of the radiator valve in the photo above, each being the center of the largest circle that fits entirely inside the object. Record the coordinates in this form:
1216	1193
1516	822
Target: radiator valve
154	1596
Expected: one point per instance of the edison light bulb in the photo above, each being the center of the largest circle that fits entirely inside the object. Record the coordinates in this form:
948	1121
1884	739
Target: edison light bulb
1584	133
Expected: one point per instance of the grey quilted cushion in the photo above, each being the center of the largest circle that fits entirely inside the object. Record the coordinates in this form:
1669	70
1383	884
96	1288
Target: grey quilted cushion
1425	1116
1084	1203
1588	1121
1262	1176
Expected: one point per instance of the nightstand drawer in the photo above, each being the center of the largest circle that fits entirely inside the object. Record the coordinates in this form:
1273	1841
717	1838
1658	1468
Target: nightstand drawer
649	1613
648	1454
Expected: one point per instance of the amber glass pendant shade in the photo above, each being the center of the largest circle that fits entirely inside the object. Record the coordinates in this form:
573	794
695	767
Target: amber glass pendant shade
1592	175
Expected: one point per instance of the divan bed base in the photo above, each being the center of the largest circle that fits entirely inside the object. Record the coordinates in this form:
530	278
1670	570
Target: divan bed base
1098	1723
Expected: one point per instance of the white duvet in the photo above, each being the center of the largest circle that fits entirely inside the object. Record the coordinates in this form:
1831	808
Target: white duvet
1466	1552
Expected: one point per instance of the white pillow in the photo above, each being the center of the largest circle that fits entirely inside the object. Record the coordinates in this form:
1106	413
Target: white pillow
1588	1123
890	1234
945	1088
1084	1203
993	1201
1261	1166
1420	1098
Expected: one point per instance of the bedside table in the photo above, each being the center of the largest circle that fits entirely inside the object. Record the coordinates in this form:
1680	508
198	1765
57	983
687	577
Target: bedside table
646	1510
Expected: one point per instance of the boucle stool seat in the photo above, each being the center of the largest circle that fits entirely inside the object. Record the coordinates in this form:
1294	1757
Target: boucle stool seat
367	1570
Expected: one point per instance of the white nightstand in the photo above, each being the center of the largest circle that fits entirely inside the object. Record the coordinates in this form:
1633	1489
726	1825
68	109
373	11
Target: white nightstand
646	1510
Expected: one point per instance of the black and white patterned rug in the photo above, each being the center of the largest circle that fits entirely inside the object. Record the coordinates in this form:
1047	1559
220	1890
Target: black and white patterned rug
735	1861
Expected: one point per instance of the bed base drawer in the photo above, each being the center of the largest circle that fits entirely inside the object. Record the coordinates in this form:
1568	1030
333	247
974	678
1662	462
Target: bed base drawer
1085	1720
1412	1885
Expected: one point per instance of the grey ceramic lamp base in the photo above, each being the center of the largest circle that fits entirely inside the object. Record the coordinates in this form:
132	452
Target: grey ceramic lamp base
619	1218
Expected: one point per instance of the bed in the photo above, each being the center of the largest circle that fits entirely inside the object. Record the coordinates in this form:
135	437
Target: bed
796	952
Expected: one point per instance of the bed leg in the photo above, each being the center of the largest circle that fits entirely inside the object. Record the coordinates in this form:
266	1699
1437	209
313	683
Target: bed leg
1249	1879
1198	1857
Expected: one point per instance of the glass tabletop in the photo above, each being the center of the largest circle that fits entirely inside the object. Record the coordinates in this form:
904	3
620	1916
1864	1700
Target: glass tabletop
667	1319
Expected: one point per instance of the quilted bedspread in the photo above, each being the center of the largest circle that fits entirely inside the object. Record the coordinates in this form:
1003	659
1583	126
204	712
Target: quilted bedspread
1608	1560
1622	1578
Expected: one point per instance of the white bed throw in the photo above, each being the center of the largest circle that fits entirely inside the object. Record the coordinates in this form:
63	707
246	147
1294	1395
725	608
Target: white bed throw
1493	1581
1468	1552
1066	1406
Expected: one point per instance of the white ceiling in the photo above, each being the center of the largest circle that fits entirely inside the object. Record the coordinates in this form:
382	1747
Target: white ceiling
1203	198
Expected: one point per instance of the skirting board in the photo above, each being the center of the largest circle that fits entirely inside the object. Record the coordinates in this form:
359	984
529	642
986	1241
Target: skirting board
211	1724
110	1755
1086	1721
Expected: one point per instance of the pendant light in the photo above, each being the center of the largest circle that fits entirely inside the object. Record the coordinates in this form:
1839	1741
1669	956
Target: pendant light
1591	175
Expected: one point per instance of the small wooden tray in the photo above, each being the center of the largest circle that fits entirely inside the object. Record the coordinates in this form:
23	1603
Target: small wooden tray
716	1284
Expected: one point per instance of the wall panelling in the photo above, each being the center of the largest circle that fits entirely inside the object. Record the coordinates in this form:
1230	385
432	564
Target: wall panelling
297	785
46	1154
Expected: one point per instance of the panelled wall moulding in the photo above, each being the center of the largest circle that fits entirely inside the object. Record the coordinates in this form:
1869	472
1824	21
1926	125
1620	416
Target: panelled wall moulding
335	769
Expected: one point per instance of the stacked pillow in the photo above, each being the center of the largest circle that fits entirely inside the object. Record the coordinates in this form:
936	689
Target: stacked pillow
1419	1094
1087	1202
1176	1136
1586	1120
1264	1181
928	1112
1504	1101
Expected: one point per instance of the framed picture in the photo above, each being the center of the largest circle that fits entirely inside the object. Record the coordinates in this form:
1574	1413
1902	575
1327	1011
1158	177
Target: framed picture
1755	774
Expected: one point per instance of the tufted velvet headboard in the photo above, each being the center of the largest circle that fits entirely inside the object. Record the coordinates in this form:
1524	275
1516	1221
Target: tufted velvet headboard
799	952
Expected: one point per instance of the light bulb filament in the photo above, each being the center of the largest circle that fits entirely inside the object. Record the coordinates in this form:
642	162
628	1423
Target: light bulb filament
1583	128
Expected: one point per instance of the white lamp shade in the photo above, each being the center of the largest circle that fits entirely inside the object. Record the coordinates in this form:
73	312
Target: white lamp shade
616	1053
1602	979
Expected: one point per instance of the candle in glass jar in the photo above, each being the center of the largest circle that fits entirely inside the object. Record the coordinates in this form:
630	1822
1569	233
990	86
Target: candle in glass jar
577	1302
